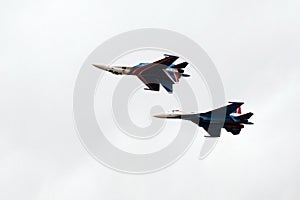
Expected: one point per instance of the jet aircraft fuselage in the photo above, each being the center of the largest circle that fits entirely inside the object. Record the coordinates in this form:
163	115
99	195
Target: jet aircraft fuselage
213	121
162	72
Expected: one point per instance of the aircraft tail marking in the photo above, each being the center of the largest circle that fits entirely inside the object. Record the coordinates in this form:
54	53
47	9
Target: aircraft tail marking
238	110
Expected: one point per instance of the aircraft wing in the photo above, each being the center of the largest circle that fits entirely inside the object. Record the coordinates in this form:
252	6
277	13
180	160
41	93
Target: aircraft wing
168	60
213	130
150	81
160	64
156	73
168	87
228	109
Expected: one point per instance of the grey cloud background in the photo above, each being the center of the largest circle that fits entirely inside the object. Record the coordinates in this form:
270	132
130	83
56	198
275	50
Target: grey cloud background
255	46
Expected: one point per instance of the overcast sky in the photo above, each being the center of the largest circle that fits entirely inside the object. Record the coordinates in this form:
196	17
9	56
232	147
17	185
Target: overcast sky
255	46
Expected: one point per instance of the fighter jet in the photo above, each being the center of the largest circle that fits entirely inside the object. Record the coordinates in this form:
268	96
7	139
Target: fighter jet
228	117
162	72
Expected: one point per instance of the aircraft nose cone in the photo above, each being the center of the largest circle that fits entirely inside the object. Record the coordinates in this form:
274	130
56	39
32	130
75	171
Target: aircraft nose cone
103	67
160	116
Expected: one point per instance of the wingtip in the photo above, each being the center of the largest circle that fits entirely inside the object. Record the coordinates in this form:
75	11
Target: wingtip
168	55
235	102
208	136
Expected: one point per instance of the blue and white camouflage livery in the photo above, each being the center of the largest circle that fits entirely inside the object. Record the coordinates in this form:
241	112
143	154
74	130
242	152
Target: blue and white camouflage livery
214	120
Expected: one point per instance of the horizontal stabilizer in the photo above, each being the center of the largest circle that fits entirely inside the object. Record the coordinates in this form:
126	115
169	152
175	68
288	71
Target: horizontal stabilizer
180	65
245	116
185	75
